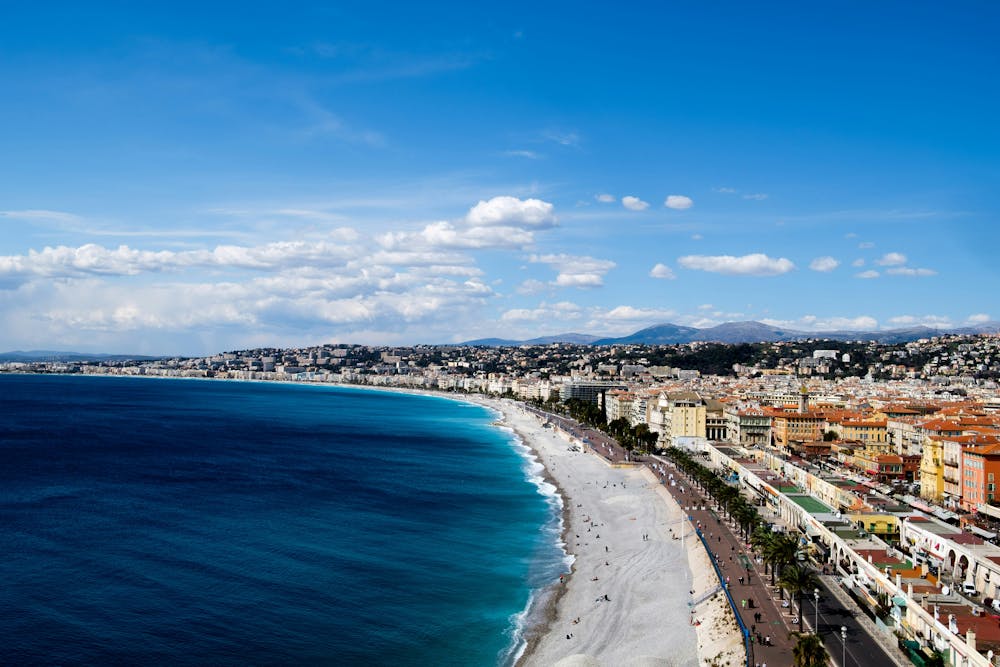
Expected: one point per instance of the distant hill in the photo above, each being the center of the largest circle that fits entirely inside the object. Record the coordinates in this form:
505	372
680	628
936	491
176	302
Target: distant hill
490	342
660	334
31	356
739	332
745	332
572	338
575	338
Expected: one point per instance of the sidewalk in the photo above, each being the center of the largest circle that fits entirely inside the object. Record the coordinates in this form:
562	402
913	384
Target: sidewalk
733	557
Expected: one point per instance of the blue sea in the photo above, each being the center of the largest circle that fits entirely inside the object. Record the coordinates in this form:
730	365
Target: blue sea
149	521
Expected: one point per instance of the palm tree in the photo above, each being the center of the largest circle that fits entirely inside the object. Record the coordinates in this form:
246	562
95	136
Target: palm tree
809	651
745	515
726	496
797	580
780	552
761	539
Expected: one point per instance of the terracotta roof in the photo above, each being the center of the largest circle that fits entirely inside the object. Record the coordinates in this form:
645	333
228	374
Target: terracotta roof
992	449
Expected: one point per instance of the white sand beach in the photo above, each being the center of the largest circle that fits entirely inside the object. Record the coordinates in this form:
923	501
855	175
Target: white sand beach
626	601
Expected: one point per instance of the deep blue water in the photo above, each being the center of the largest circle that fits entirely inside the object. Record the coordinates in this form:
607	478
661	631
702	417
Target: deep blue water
206	522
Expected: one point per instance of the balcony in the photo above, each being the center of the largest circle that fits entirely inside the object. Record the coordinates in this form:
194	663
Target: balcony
951	464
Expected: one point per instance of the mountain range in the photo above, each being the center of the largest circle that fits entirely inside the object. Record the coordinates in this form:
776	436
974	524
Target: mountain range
67	357
738	332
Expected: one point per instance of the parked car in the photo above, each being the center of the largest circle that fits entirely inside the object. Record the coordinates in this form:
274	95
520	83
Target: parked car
969	589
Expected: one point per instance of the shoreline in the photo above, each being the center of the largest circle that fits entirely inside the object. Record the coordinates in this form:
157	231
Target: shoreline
620	602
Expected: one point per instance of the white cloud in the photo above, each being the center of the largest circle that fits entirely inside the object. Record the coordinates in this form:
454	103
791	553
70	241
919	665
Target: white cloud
631	314
531	155
867	275
41	215
605	198
445	235
757	264
814	323
858	263
634	203
662	271
933	321
576	271
910	271
979	318
505	211
92	259
824	264
696	237
725	191
563	310
562	138
706	306
891	259
678	202
531	286
864	245
757	196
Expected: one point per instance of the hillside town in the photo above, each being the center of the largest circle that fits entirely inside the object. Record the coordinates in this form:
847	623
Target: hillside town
884	459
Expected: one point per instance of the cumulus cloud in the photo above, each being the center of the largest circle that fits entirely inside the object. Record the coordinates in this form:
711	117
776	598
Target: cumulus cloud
824	264
531	286
631	314
891	259
814	323
662	271
864	245
634	203
576	271
867	275
506	211
757	264
678	202
933	321
93	259
858	263
445	235
563	310
978	318
910	271
725	191
605	198
756	196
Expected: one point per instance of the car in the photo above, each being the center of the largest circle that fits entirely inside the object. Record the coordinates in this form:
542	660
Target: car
969	588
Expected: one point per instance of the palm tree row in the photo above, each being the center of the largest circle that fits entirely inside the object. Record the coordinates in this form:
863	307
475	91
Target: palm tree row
728	497
631	437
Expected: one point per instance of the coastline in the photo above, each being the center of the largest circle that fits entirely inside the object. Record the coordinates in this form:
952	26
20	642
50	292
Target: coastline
620	609
620	602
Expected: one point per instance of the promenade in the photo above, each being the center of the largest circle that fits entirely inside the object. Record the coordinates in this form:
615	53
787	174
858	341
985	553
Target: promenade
772	643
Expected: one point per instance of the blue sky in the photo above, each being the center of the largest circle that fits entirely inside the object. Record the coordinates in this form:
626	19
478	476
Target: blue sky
189	179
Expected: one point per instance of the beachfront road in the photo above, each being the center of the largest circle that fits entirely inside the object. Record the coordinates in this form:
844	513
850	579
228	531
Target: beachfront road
861	648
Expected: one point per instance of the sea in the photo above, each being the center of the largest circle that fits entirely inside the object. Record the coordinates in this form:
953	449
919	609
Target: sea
209	522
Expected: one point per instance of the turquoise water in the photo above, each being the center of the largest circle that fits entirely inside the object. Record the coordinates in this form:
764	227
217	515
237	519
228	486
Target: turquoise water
208	522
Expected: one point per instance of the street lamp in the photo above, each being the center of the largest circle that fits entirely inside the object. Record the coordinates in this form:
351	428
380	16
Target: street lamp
816	600
843	638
